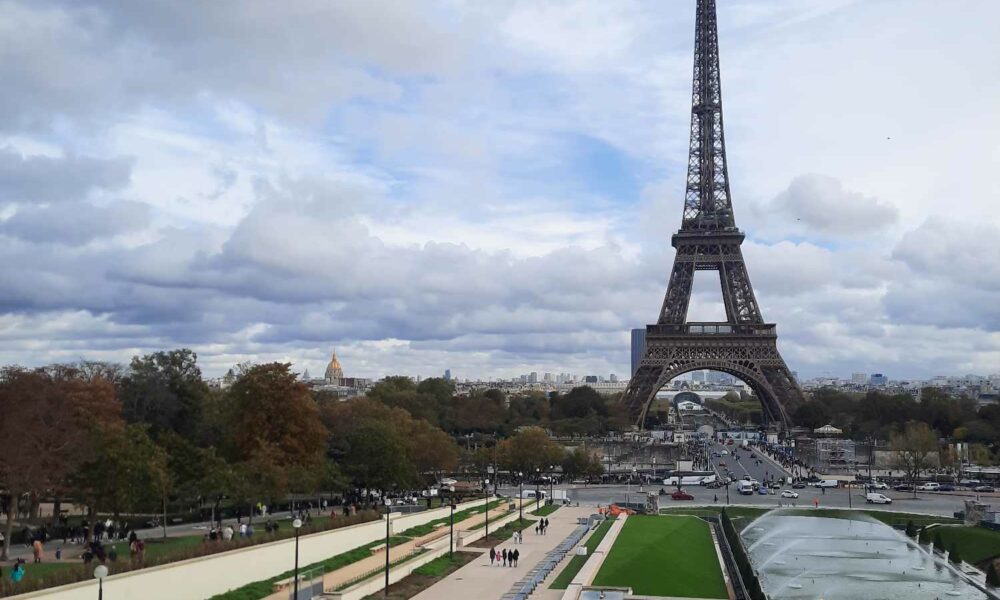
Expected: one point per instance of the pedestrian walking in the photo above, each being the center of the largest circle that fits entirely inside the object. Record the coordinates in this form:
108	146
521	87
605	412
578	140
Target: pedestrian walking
36	550
537	527
505	557
517	555
243	529
493	555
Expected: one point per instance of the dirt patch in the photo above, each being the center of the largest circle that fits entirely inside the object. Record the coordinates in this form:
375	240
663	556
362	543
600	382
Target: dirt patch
413	584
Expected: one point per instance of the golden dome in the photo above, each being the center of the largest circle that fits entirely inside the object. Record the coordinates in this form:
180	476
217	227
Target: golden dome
333	370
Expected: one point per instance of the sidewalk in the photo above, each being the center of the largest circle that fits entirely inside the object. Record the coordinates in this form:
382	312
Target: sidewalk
481	581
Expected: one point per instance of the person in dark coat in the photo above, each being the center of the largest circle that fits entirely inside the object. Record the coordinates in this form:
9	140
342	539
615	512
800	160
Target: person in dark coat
493	555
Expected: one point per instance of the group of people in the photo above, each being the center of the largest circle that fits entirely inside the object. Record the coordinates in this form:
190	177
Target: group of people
242	530
505	558
541	526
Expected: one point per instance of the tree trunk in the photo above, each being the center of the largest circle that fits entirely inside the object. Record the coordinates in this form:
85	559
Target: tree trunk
9	528
164	516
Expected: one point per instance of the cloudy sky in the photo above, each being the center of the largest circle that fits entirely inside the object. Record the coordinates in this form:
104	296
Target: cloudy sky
490	186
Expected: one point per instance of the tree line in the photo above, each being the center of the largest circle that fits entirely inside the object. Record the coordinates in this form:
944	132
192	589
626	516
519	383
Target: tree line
153	437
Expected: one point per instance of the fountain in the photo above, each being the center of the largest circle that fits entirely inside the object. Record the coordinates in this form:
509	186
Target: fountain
798	557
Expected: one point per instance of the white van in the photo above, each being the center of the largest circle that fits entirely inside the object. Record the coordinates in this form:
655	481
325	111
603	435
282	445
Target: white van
877	498
828	483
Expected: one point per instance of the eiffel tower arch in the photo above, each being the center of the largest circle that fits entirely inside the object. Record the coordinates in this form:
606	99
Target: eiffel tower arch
743	345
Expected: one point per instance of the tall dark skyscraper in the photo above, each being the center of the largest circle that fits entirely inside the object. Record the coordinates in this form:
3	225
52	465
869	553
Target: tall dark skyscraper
638	347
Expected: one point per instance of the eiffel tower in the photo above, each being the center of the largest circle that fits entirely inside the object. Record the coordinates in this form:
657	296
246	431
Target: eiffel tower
744	345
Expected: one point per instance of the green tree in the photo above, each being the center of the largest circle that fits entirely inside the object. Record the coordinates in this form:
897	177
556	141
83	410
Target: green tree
530	451
164	390
912	450
582	463
128	472
379	458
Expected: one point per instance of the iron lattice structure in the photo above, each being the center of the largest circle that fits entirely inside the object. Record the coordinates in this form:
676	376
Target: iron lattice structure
743	345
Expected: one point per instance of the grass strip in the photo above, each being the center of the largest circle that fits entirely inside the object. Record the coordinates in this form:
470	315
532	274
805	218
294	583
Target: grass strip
546	510
664	556
576	563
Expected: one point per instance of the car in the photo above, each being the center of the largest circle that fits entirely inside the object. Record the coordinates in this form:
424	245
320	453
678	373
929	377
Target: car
878	485
681	495
930	486
722	463
789	494
774	485
828	483
799	485
903	487
877	498
983	488
725	452
946	487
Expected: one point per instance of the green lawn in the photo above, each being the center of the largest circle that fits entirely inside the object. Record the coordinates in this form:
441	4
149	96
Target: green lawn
576	563
974	544
664	556
546	510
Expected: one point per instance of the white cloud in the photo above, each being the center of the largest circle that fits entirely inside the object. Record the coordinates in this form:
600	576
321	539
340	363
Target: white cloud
405	180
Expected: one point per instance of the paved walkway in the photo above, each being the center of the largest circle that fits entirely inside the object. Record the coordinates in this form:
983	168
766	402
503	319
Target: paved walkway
481	581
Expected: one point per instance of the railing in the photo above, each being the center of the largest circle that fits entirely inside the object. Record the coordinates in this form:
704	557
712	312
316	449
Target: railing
712	329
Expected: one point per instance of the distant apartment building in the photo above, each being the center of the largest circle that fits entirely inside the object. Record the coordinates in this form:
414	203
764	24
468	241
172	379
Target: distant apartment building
878	379
859	378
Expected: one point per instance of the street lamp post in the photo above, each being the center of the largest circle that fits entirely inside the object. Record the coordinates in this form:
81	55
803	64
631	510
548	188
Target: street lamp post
99	574
520	496
538	495
451	534
552	470
388	506
487	489
296	525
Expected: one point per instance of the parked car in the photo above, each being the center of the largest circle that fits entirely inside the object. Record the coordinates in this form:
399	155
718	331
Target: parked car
774	485
878	485
946	487
681	495
789	494
877	498
983	488
799	485
903	487
930	486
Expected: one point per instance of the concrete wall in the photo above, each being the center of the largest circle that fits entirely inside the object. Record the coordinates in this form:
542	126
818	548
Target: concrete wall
206	576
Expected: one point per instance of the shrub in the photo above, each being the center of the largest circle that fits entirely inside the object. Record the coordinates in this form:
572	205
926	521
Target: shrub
992	577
